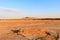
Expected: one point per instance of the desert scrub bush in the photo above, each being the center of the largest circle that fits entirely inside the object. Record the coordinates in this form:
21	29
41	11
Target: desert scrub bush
54	35
48	36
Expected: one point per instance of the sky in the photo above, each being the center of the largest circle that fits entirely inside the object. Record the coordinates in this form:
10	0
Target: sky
30	8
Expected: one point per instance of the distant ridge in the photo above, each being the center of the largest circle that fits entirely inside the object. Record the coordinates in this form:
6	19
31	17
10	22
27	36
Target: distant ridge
50	19
32	18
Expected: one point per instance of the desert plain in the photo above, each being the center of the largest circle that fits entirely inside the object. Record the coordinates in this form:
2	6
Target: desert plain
50	26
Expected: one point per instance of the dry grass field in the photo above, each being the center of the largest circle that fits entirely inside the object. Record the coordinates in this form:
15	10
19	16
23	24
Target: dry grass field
52	27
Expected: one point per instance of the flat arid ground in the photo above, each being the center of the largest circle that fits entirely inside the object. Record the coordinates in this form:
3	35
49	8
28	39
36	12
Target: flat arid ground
49	29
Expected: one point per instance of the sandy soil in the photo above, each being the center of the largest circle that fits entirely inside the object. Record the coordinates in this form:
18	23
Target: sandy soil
52	26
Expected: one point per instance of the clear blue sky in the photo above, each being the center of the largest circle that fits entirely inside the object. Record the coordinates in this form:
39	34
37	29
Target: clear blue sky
31	8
